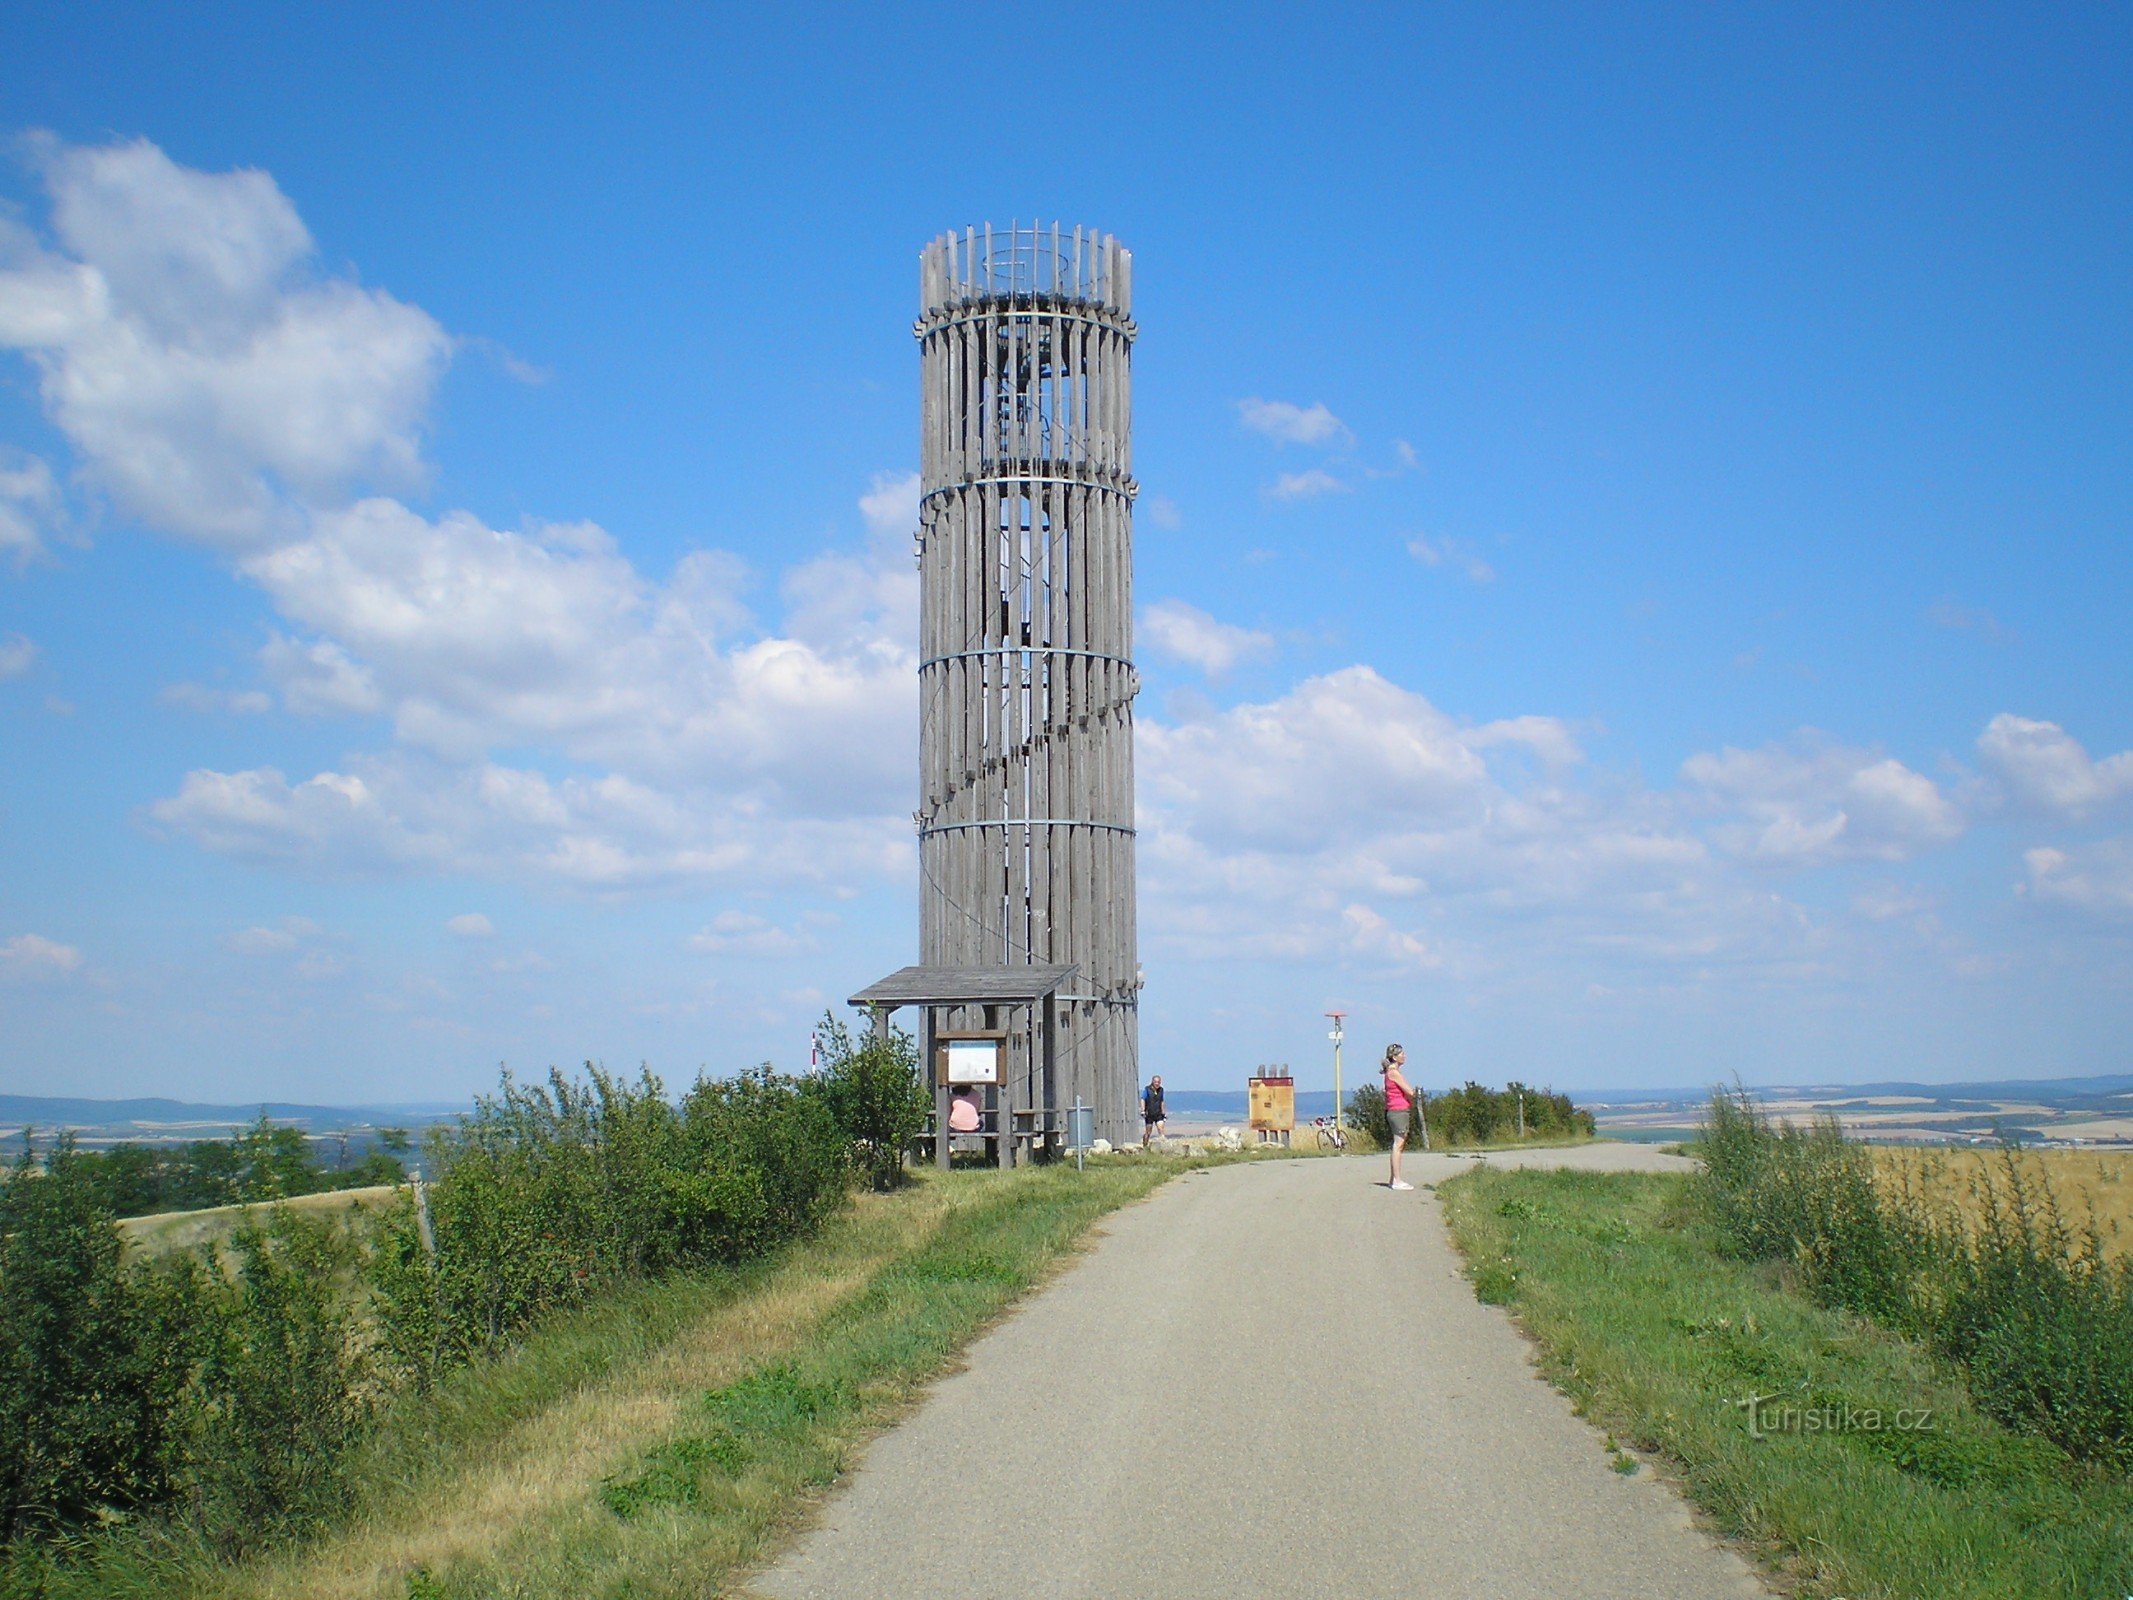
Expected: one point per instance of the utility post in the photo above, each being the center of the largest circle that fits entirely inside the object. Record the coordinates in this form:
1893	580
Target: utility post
1335	1036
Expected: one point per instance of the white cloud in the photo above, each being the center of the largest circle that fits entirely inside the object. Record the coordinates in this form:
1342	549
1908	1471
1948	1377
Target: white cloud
1336	754
2044	768
472	638
1450	552
217	385
1164	513
890	505
1370	935
608	833
1285	423
199	697
210	379
17	656
1283	829
1350	818
1890	902
1305	485
1948	612
1548	738
2096	877
277	940
742	933
317	678
1189	634
29	501
29	956
470	925
1816	801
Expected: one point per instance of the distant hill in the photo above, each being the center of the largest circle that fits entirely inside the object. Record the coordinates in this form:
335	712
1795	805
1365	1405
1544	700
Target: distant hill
163	1118
2104	1086
154	1117
1231	1102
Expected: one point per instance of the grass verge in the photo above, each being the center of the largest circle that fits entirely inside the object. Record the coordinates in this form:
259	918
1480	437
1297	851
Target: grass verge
1660	1340
164	1232
656	1444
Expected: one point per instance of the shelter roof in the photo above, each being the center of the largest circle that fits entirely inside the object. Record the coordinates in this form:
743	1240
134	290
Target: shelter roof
965	986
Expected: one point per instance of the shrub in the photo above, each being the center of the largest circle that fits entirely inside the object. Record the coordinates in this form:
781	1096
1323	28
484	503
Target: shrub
279	1390
220	1390
877	1094
1807	1197
1472	1114
2036	1312
1365	1112
87	1390
548	1192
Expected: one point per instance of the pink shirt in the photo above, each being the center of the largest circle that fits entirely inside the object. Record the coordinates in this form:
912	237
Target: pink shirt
1395	1096
963	1113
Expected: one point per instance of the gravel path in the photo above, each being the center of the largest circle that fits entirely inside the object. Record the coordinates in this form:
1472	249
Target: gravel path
1265	1380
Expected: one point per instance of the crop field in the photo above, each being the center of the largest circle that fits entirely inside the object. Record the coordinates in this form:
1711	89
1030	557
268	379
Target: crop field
2094	1111
185	1230
2085	1183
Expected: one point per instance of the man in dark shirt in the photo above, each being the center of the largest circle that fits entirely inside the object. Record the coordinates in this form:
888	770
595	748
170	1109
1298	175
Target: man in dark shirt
1152	1111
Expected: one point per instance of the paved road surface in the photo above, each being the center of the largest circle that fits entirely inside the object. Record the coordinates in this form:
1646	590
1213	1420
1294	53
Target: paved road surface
1264	1381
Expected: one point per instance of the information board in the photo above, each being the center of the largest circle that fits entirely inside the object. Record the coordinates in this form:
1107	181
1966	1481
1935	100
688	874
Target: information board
1271	1104
971	1060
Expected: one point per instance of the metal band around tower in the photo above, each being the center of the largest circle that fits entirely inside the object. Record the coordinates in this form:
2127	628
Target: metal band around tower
1028	650
1024	822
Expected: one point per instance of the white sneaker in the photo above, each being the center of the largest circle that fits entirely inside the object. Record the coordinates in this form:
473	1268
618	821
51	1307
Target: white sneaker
1397	1184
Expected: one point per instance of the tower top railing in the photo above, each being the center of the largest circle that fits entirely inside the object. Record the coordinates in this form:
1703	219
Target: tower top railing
1043	261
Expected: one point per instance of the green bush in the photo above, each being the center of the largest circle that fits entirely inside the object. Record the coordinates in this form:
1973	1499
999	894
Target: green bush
2041	1319
1472	1114
88	1391
549	1192
1807	1196
281	1384
227	1387
212	1396
1365	1112
877	1094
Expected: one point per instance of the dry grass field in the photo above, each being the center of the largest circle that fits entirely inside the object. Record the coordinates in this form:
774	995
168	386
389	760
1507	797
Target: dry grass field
2083	1180
182	1230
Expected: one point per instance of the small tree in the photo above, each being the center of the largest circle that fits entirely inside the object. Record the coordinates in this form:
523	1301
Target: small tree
1365	1112
877	1094
86	1385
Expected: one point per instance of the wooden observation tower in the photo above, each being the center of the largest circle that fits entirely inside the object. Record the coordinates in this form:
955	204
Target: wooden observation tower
1026	679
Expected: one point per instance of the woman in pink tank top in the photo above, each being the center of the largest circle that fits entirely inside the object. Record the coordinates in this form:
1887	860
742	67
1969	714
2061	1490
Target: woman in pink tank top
1399	1107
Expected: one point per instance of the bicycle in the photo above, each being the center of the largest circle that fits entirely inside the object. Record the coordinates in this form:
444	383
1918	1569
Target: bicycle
1331	1136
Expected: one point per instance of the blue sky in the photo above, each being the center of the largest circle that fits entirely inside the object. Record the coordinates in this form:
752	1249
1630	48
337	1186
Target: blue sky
1632	558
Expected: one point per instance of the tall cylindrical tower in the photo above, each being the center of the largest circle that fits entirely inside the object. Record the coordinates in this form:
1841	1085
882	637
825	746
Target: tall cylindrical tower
1026	679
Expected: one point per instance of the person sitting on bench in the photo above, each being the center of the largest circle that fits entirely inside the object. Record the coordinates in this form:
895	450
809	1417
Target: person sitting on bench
963	1113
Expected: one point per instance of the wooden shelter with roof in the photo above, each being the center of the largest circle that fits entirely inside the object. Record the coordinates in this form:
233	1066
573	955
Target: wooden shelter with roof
1019	1008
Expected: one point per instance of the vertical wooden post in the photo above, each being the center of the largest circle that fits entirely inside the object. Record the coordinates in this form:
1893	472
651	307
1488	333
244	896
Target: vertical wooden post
941	1092
1003	1096
1049	1006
